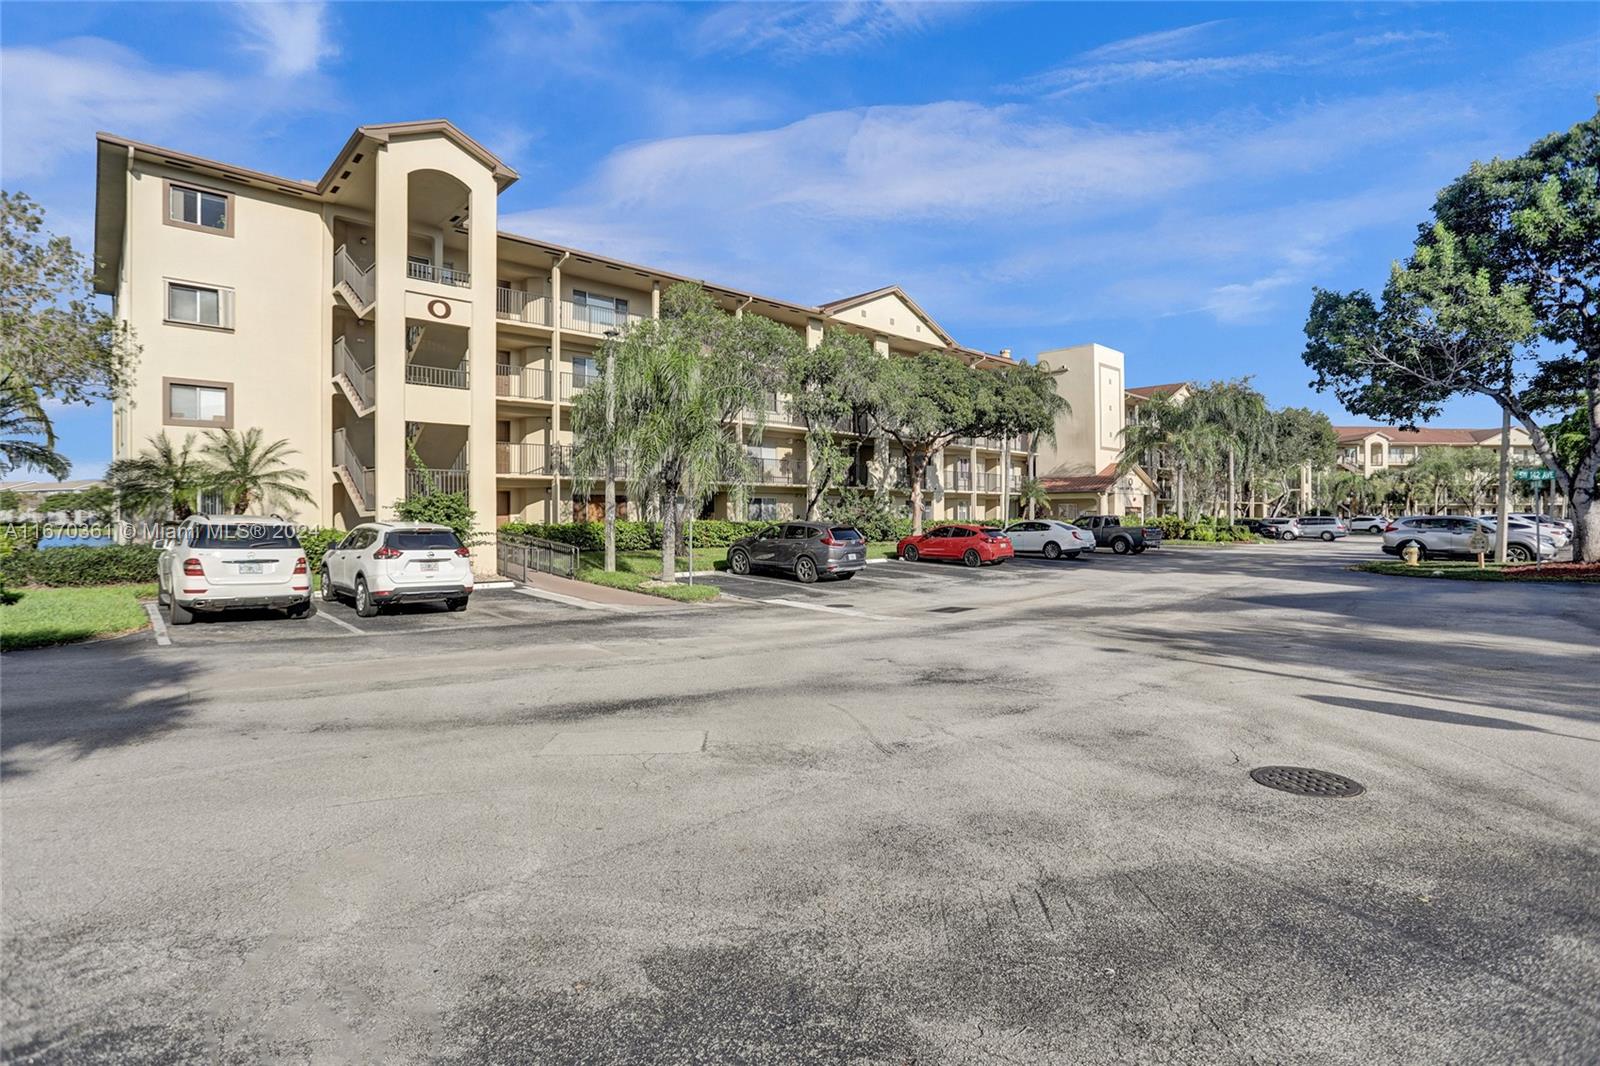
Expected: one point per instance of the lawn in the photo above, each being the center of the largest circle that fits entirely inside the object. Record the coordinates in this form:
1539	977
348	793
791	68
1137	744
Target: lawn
1468	571
40	617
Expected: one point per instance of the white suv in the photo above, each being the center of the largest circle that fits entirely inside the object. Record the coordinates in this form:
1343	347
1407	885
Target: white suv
380	563
226	562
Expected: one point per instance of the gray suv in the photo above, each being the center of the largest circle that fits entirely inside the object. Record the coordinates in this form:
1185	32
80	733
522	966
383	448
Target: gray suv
808	550
1444	536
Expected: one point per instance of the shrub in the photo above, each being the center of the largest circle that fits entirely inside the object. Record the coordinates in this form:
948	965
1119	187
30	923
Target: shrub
633	536
442	508
114	564
875	517
316	542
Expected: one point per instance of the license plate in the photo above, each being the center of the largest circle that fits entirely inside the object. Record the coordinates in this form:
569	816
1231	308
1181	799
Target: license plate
250	568
853	555
428	568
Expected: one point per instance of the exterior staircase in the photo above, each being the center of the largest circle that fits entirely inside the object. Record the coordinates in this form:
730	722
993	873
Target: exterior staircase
353	284
357	478
354	380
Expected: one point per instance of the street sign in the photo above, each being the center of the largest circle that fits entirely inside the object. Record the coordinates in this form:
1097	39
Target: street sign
1536	474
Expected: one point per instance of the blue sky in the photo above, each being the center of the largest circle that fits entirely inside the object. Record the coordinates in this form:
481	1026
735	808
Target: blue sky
1169	180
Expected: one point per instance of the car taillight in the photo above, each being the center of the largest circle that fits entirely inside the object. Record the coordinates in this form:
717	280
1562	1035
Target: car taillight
827	538
300	565
386	553
192	568
465	553
1390	528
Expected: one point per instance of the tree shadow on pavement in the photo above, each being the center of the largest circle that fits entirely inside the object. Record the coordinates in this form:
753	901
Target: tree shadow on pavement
1434	714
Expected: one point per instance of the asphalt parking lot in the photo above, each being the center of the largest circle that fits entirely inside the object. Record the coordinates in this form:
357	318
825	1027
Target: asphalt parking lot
750	832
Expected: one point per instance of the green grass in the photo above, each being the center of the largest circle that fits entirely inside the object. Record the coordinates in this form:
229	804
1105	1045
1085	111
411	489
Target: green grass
1464	571
636	568
40	617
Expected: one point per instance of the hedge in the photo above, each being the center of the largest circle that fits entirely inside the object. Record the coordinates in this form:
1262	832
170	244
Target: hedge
634	536
114	564
1174	528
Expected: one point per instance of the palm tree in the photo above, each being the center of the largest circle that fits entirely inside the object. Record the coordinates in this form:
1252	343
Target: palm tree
1168	432
26	436
161	480
1031	495
244	469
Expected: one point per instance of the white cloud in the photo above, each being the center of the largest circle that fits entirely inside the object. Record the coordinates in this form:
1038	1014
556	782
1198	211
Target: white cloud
801	29
1158	43
56	97
1400	37
292	38
1080	77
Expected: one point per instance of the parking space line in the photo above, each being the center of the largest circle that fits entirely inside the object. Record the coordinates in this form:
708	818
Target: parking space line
341	623
573	601
851	611
157	623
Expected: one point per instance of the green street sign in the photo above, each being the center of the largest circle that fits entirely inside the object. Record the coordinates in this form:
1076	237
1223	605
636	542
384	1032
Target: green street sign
1536	474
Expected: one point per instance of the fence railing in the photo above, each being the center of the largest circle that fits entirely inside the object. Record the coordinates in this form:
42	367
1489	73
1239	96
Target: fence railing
360	475
518	306
517	556
988	482
345	362
438	275
441	376
444	480
521	382
572	384
527	460
347	272
778	471
957	482
587	319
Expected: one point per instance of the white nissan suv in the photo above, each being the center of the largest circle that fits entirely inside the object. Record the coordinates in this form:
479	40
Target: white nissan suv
379	563
226	562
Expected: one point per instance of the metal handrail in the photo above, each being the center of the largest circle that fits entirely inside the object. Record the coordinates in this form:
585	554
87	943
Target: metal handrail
518	556
347	271
345	454
955	482
520	306
441	376
450	480
438	275
778	471
596	319
344	362
524	460
521	382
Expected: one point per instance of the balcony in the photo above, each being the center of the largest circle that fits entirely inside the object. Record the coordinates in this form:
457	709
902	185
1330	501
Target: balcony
955	481
438	376
527	460
514	305
572	384
521	382
777	471
595	320
449	479
438	275
987	482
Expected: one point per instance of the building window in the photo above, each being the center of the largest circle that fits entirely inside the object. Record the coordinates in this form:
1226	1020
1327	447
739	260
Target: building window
200	209
763	509
197	403
585	372
599	311
199	305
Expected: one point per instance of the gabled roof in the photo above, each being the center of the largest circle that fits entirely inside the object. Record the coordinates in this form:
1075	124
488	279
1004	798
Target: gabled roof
1150	392
383	132
833	307
1105	479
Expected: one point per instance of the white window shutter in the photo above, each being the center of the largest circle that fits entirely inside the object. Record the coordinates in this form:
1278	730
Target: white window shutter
226	300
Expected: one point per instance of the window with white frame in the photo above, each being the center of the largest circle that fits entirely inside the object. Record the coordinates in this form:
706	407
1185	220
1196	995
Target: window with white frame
762	509
199	305
195	403
199	208
599	311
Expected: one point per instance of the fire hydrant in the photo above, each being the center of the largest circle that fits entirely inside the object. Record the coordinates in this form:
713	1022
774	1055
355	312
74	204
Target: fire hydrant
1409	553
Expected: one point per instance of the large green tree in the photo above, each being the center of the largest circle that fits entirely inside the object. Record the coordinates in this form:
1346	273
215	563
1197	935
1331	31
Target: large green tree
831	386
923	402
27	439
1500	297
1020	402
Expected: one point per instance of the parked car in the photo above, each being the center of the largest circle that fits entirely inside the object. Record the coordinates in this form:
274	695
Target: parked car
1556	531
1367	523
1327	527
382	563
1281	528
973	545
1446	536
1548	520
1109	532
808	550
1049	538
1254	525
230	562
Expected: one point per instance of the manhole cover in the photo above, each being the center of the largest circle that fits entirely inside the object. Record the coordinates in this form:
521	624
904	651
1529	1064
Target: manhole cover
1303	781
949	610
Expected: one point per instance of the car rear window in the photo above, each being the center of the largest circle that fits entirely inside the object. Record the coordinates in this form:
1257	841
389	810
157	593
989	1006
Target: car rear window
245	535
411	540
845	533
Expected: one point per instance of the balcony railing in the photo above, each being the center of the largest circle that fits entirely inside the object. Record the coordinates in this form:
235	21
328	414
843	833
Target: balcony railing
987	482
443	377
955	481
355	470
778	471
527	460
444	480
521	382
572	384
438	275
347	272
589	319
360	377
517	306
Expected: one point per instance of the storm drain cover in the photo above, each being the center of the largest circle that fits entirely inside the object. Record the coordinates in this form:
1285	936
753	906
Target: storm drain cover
1303	781
949	610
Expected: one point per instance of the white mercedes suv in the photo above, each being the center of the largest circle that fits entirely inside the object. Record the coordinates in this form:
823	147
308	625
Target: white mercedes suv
379	563
227	562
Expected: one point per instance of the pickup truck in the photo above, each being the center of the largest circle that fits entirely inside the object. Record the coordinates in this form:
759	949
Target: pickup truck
1109	532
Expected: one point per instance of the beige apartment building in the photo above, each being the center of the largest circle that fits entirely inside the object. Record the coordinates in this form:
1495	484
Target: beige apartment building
379	312
1375	449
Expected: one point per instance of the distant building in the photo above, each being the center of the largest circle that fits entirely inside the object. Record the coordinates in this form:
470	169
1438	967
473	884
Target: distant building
1373	449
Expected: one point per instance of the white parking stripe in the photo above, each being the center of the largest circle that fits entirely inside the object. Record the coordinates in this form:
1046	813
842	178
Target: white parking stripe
158	624
851	611
340	622
573	601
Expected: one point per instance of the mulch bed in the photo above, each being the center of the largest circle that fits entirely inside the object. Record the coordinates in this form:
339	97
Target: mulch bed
1555	572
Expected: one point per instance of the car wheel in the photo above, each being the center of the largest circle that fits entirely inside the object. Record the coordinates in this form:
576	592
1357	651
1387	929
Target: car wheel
846	576
1517	553
181	615
1374	529
302	610
365	607
971	557
329	593
739	562
910	553
805	570
1286	535
1138	549
456	603
1328	537
1052	550
1073	555
1122	545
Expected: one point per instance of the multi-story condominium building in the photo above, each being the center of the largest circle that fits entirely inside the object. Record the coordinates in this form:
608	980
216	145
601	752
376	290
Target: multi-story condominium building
1374	449
379	321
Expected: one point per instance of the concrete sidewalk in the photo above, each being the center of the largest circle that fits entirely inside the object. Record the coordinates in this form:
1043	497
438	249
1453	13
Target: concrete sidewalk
566	590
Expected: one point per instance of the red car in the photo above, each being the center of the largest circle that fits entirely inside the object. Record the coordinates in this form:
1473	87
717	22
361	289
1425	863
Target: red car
973	545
